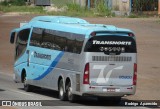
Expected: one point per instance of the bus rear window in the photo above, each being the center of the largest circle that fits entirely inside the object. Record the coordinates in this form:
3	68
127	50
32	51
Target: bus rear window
111	44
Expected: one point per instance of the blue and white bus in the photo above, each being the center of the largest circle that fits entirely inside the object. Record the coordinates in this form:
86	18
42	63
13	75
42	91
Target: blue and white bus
75	57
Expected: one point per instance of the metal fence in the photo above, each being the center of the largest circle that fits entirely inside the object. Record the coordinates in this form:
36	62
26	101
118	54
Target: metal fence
144	5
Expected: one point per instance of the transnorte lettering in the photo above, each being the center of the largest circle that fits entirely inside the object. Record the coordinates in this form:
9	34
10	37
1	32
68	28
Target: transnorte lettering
112	42
42	56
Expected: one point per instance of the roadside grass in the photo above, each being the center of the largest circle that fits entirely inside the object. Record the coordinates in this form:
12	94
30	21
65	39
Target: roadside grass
72	10
30	9
73	14
61	3
75	10
133	16
138	15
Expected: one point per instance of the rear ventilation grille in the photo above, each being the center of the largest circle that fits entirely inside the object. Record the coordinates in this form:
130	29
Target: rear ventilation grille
112	58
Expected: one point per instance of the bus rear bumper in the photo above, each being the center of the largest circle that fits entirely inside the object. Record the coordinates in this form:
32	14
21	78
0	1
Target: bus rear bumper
108	91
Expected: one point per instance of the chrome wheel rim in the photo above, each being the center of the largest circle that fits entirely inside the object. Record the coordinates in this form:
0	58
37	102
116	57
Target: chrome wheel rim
25	82
61	91
69	93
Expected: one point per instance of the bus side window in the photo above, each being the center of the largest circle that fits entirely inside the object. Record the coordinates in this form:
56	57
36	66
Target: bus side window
79	45
21	42
53	41
36	38
61	43
74	43
47	40
70	45
57	40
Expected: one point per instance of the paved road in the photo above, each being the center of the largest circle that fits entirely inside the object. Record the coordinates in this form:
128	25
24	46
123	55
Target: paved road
12	91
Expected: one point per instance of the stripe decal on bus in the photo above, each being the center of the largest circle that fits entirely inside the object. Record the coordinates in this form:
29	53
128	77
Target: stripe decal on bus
51	67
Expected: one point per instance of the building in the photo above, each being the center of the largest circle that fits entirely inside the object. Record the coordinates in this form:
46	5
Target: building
121	7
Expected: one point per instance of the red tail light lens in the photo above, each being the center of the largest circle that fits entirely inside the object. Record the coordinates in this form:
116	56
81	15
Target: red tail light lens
93	34
131	34
135	74
86	74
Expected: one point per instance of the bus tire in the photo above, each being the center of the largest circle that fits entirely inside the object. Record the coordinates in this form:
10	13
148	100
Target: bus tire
71	97
27	87
62	94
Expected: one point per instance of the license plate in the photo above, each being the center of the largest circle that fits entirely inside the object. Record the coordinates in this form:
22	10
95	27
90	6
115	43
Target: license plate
111	90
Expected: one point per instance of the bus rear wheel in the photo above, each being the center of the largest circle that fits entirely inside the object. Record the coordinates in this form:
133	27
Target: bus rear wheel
27	87
62	94
71	97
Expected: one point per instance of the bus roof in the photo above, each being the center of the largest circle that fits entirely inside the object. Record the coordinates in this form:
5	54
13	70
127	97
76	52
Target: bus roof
70	24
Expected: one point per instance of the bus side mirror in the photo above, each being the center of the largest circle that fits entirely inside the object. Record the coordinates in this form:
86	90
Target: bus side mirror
12	37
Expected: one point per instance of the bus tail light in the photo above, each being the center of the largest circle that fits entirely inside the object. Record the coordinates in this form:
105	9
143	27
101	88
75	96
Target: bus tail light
135	74
93	34
131	34
86	74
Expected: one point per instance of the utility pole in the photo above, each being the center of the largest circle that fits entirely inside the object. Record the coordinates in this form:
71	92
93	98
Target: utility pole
89	4
158	7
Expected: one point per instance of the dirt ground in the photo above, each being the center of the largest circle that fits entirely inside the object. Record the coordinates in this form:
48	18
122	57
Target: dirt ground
147	31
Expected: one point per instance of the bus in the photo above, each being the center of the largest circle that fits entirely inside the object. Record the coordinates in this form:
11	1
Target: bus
75	58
